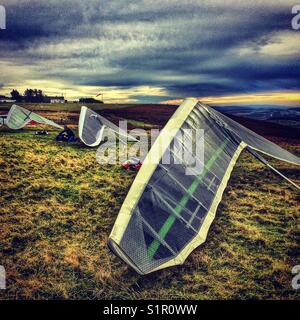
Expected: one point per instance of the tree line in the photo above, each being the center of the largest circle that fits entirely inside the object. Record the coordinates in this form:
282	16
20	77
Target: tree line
30	95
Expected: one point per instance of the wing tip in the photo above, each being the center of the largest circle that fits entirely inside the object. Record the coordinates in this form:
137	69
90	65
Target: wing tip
117	250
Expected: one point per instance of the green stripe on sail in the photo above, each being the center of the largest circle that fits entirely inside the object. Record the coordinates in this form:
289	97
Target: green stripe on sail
155	244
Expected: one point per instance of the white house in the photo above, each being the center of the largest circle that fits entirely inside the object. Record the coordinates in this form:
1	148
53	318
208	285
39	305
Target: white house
6	100
57	99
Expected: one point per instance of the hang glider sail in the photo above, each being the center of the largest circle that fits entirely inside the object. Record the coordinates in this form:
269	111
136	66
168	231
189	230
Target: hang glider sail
18	117
167	213
92	126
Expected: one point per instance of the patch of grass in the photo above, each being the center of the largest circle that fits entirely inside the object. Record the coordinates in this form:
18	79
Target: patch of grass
140	124
58	206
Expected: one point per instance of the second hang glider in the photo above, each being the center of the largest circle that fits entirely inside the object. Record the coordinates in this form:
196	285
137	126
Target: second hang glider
167	213
18	117
92	125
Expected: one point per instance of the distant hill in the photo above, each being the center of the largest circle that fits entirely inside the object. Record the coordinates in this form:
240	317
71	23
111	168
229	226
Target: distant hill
160	114
265	128
285	115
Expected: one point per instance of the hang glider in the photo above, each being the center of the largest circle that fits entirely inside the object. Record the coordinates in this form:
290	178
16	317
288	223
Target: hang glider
167	213
3	119
92	126
18	117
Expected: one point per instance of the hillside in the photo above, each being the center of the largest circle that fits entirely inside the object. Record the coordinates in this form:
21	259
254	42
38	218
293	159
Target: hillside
58	206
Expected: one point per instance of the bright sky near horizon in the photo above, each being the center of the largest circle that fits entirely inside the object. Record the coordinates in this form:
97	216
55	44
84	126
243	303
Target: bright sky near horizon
150	51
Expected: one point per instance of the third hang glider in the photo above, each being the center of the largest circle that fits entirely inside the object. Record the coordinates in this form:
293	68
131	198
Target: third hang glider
167	213
3	119
18	117
92	126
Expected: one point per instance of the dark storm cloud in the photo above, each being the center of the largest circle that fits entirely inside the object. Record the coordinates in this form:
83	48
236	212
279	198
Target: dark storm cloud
187	47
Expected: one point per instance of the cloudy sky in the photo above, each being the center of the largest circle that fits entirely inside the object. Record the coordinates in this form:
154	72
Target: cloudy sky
224	52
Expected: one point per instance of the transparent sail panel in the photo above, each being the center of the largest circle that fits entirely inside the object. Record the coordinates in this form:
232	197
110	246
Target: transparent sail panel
18	117
92	126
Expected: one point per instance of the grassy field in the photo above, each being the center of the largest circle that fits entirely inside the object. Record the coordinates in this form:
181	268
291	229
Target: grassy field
70	107
58	206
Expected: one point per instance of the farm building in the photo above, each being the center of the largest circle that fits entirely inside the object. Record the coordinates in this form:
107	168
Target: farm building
57	99
4	99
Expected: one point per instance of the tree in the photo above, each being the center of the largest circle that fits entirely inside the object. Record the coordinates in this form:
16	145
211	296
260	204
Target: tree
28	95
16	95
40	96
34	95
